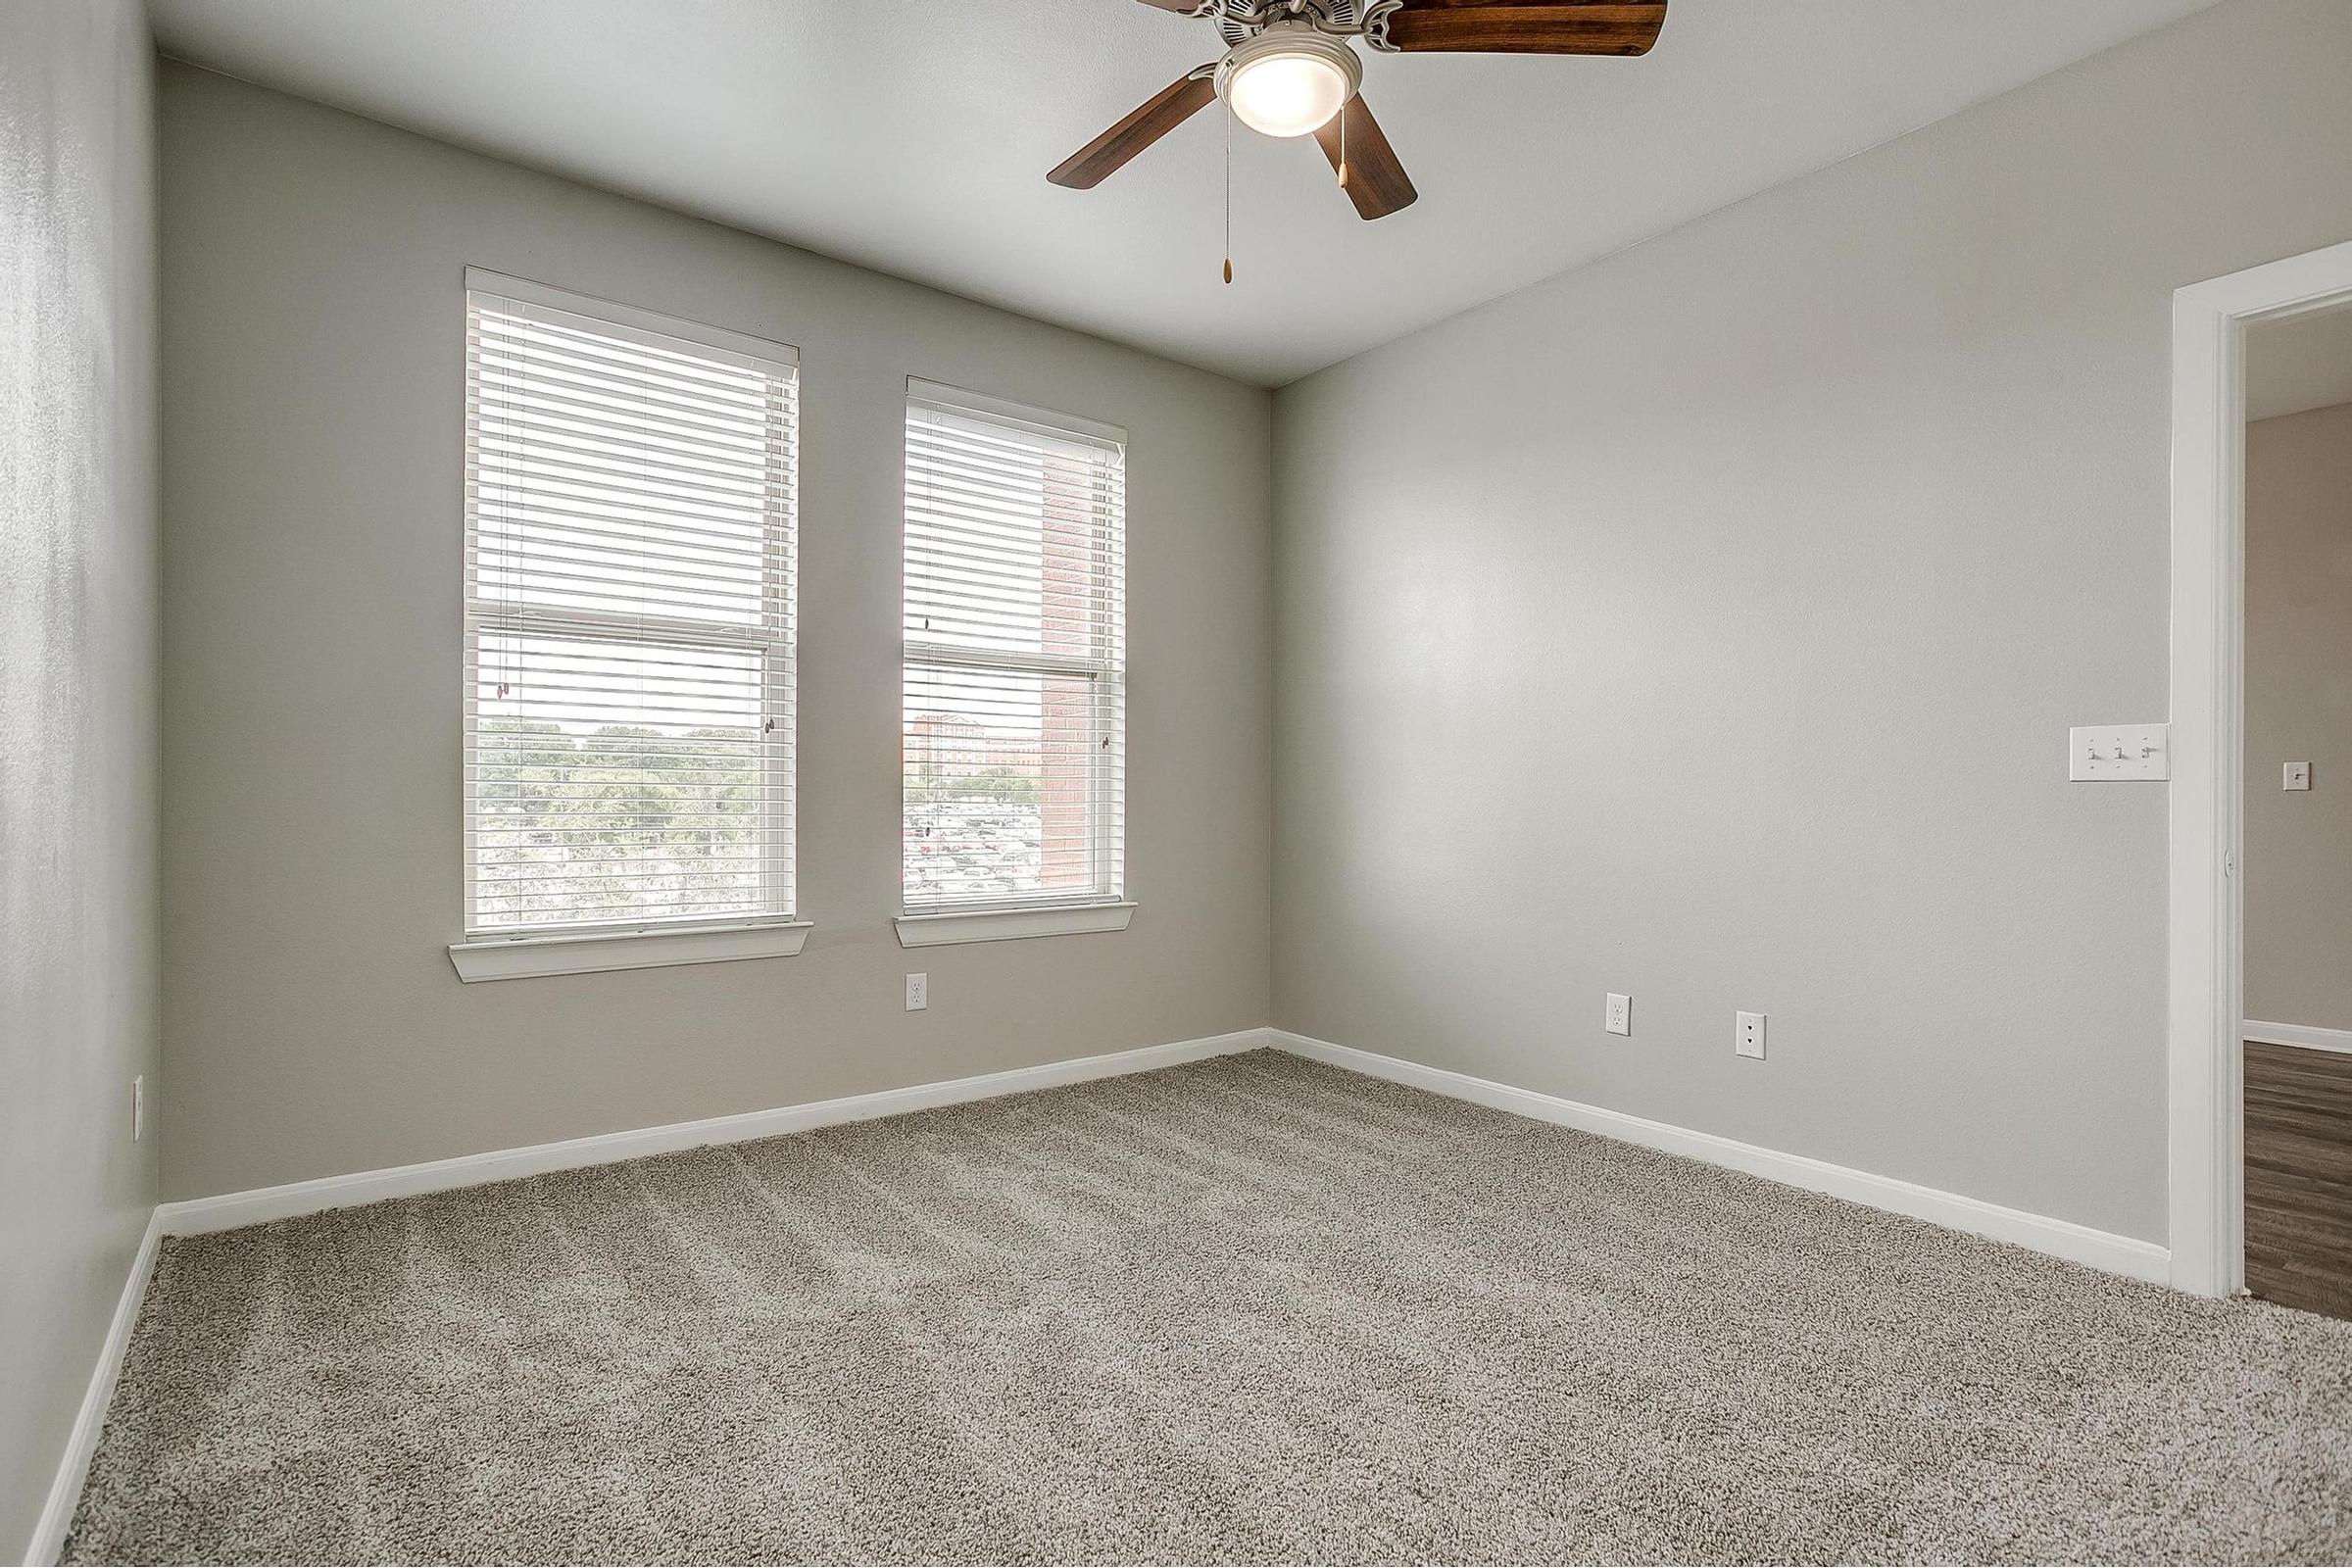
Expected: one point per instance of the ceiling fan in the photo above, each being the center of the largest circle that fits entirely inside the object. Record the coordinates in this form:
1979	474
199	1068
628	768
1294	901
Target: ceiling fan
1291	68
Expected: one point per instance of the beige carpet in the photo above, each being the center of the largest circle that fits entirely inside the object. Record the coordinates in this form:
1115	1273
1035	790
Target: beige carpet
1250	1309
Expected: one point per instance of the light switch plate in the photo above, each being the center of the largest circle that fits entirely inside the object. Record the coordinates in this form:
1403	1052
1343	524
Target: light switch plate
2099	752
2298	777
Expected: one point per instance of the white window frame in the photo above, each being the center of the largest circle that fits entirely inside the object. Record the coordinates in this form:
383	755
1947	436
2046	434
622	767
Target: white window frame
1108	907
507	953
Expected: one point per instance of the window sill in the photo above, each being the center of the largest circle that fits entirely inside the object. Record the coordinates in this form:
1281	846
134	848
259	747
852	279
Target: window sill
1006	925
592	953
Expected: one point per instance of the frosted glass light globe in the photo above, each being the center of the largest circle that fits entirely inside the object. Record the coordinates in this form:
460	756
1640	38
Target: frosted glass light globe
1287	95
1288	80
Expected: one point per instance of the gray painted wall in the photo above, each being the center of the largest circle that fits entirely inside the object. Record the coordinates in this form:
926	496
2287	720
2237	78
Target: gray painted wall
313	361
77	705
2298	880
1705	624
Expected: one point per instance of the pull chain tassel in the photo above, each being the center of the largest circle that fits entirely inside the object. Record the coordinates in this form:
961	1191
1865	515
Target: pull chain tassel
1228	194
1343	146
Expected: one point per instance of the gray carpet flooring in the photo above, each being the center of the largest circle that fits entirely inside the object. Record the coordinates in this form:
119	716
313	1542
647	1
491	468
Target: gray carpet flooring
1250	1309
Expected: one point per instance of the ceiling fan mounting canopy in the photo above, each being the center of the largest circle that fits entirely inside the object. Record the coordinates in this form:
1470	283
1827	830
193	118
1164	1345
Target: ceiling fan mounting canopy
1289	79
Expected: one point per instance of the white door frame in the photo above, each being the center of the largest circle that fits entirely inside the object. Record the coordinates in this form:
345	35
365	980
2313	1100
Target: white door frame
2207	1085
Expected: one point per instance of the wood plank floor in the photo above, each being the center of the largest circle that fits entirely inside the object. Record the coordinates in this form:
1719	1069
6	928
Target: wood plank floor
2299	1177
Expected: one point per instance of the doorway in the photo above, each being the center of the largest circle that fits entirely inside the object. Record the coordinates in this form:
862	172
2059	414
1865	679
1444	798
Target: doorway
2207	1062
2296	877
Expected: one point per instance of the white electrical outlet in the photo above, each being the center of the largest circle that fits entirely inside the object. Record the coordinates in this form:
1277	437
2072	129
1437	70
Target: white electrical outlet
918	992
2298	777
1747	1038
138	1107
1619	1020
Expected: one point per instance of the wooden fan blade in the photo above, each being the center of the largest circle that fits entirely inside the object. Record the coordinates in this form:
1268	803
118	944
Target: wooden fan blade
1175	104
1376	180
1529	26
1180	6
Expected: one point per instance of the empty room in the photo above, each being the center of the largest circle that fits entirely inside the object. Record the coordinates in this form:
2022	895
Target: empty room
1175	781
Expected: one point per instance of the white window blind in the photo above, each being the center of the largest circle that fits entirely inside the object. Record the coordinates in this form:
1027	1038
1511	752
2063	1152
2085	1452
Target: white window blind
629	558
1015	662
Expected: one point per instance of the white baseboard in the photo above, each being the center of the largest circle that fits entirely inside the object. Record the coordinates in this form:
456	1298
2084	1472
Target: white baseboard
2102	1249
2310	1035
196	1216
65	1492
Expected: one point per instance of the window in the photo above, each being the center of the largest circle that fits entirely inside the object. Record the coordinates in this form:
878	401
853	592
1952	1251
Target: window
1015	673
629	556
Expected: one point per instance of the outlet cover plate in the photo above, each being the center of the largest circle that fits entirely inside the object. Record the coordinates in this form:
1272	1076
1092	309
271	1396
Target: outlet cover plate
1748	1036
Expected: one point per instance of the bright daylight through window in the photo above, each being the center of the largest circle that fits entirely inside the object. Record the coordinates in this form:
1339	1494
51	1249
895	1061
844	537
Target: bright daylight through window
1015	597
630	543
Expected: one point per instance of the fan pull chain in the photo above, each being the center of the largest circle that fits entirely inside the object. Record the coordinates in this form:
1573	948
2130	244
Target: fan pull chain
1343	146
1228	193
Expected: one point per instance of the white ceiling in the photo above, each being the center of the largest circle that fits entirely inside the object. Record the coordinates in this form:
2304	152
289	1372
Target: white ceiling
912	136
2304	361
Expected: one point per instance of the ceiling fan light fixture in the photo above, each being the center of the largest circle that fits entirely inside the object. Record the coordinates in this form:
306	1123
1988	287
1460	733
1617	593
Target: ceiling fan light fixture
1288	80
